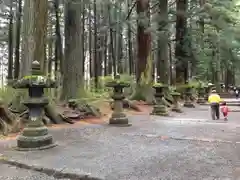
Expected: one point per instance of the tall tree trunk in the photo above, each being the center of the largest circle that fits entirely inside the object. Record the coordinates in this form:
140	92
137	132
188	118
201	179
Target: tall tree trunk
95	45
33	44
163	60
91	69
193	67
10	43
104	39
181	49
18	37
105	55
201	19
144	58
129	35
73	75
50	47
83	35
40	34
112	60
218	66
120	51
58	43
28	42
100	22
118	40
114	38
143	39
170	63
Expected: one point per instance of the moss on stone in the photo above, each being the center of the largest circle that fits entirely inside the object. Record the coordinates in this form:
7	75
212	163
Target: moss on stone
160	85
175	94
114	83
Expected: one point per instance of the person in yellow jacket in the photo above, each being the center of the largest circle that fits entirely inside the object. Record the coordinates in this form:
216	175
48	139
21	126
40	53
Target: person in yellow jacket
214	99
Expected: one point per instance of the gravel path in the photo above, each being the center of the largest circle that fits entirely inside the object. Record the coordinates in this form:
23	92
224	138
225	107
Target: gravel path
184	147
12	173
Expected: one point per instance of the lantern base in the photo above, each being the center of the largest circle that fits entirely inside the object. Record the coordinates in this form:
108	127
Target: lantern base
177	109
160	110
31	143
121	121
201	100
189	104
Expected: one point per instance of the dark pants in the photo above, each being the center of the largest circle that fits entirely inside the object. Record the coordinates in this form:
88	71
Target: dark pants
215	110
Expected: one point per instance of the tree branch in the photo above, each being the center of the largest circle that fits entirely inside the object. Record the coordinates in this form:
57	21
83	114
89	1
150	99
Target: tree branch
129	13
156	4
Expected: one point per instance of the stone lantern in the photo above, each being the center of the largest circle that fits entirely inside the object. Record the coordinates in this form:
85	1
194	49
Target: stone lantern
35	135
176	106
160	108
188	92
201	94
118	118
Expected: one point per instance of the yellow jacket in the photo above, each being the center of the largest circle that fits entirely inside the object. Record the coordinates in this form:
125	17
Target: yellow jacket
214	98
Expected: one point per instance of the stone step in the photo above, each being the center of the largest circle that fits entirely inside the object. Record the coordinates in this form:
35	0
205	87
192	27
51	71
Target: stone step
233	104
226	95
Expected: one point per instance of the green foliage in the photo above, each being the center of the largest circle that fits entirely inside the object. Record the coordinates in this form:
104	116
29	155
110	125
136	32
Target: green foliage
217	47
194	84
91	94
7	94
158	85
175	93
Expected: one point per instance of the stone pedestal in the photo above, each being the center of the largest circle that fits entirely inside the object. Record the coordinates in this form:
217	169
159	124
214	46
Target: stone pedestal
176	106
35	135
118	118
201	93
159	109
167	99
188	103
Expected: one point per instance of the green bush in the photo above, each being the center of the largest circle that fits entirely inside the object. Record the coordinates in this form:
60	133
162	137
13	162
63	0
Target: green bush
7	93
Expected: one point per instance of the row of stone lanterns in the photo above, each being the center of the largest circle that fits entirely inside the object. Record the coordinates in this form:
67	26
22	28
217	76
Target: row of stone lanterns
35	135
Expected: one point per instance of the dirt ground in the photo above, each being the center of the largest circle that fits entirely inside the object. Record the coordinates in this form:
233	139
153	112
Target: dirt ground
105	110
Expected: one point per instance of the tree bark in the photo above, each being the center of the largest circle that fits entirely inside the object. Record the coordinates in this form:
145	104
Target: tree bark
129	35
10	43
73	75
83	36
91	69
40	34
143	89
18	38
182	47
112	60
58	43
96	58
28	43
163	59
143	39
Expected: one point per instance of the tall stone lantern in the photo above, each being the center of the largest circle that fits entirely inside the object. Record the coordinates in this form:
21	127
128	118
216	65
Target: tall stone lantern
118	118
159	109
35	135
